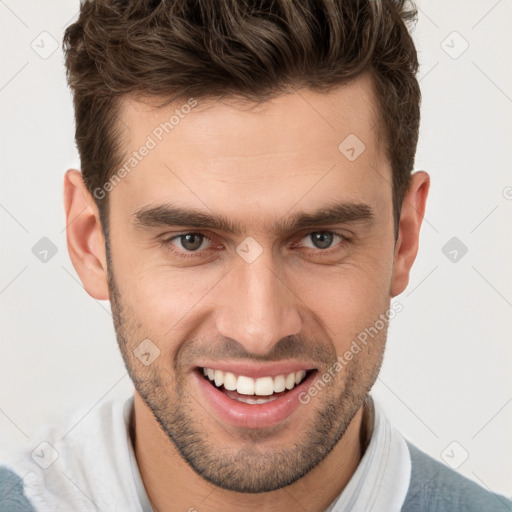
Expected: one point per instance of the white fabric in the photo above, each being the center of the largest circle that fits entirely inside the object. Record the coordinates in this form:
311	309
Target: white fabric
93	470
96	467
381	480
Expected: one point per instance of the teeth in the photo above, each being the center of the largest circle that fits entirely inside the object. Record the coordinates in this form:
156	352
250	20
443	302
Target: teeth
245	385
290	381
279	383
230	381
219	377
263	386
298	376
253	401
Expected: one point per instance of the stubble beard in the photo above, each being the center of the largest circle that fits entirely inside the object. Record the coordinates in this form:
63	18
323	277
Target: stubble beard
245	466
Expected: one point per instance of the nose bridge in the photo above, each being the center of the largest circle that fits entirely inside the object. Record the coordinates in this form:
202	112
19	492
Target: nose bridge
258	309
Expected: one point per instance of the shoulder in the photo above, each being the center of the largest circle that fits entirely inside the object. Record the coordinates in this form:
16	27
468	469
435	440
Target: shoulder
12	495
70	463
434	487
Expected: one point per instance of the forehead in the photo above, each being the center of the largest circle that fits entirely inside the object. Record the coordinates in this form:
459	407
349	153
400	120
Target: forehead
231	156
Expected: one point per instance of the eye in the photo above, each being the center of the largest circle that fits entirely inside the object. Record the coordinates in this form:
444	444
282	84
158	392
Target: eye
189	242
323	240
192	244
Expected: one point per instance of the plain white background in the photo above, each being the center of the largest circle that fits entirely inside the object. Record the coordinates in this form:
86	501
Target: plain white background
446	381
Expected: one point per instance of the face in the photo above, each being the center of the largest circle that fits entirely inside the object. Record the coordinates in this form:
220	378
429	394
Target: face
287	259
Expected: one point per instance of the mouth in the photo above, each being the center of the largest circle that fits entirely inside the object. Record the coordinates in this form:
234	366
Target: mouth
254	391
253	402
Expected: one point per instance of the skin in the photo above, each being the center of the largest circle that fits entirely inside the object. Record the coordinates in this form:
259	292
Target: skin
292	303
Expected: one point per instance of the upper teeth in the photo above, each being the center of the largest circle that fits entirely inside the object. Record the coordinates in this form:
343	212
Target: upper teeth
263	386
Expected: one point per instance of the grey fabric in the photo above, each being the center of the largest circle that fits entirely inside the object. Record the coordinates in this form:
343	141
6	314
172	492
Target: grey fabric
435	487
12	497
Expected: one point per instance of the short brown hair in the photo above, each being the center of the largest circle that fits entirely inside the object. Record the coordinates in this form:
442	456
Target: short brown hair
252	49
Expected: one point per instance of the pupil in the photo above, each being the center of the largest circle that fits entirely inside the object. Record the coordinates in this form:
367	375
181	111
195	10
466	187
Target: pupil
322	239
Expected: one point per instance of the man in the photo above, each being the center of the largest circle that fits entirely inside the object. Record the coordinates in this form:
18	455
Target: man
246	204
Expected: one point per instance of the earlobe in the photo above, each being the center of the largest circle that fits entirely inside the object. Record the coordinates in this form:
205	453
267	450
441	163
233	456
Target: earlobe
406	247
85	241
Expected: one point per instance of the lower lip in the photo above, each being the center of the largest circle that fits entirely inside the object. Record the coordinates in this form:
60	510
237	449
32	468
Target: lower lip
245	415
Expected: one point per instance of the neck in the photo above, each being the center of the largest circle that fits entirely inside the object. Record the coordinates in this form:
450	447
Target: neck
171	484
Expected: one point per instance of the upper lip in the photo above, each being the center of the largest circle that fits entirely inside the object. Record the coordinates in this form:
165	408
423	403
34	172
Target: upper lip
272	369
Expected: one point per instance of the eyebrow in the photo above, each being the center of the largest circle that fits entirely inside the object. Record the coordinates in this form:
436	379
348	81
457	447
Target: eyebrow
169	215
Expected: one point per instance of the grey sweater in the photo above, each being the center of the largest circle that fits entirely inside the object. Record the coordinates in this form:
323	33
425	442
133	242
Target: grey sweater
434	487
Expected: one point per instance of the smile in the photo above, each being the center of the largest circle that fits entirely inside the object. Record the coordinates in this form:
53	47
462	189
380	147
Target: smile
264	398
250	391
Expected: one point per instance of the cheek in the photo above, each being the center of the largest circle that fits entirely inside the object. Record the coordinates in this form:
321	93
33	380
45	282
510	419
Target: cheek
167	302
348	298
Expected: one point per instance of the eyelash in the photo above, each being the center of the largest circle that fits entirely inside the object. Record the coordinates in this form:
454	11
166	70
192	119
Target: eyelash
167	243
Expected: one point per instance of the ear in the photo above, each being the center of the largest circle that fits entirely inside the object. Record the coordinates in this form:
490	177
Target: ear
411	217
86	244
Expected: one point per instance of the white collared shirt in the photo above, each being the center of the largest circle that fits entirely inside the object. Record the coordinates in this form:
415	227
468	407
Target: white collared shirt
94	467
381	480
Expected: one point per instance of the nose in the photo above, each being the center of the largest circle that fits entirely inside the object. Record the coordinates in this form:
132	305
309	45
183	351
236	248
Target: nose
258	306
